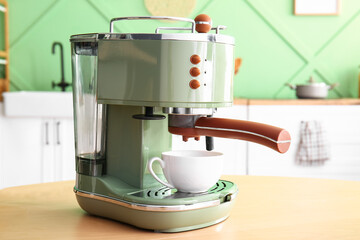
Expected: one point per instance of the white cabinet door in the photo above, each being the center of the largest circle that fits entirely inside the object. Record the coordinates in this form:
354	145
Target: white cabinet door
36	150
22	151
342	129
2	140
64	149
58	150
234	150
48	163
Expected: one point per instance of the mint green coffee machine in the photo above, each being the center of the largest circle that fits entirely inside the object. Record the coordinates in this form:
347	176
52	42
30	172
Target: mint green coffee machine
131	92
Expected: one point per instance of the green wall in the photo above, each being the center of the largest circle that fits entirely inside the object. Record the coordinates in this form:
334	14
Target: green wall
276	46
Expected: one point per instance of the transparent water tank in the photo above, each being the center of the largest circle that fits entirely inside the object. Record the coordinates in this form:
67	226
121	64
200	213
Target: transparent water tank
89	116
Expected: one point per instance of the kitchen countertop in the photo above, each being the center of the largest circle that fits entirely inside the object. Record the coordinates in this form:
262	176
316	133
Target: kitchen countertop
266	208
340	101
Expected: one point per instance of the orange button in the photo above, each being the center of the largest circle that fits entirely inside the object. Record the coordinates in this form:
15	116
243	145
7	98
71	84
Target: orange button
194	84
203	23
195	59
194	71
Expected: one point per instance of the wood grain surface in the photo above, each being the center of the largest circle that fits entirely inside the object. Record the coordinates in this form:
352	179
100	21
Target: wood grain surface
266	208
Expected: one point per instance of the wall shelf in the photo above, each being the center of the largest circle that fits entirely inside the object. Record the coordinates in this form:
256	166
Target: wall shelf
338	101
4	54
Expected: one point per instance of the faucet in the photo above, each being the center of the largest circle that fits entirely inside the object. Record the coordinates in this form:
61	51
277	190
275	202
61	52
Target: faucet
62	84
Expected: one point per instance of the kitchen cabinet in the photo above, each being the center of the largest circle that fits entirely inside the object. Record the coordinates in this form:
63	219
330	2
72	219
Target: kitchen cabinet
41	149
22	152
1	148
59	151
341	130
37	150
341	125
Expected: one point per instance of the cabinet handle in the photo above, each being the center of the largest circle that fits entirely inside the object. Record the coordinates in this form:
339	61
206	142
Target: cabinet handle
46	133
58	133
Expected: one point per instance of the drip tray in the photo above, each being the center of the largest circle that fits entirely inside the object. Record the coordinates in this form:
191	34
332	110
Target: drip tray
158	199
167	193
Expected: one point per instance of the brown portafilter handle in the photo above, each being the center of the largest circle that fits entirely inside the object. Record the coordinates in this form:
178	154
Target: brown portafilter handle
275	138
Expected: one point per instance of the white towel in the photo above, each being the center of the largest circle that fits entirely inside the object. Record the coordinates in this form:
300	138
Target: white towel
313	148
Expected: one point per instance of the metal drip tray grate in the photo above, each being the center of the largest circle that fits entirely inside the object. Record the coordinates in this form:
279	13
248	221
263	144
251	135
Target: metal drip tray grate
167	193
221	185
157	193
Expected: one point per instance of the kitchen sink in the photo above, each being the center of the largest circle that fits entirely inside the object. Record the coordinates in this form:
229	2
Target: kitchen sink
38	104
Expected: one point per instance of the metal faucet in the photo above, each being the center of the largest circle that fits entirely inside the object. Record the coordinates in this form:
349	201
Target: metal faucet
62	84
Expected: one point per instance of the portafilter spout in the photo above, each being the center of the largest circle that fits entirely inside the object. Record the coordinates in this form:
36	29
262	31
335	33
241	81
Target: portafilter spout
194	126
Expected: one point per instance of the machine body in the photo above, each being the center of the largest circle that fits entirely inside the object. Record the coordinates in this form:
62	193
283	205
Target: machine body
128	89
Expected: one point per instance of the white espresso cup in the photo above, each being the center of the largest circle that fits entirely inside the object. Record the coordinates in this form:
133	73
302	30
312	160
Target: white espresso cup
191	171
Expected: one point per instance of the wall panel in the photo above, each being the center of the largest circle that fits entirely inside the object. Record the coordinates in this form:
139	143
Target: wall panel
276	46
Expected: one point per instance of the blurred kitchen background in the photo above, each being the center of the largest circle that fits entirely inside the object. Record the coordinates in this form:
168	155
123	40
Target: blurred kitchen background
274	44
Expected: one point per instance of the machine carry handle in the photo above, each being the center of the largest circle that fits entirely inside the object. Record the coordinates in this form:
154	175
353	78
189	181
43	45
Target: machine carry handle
153	18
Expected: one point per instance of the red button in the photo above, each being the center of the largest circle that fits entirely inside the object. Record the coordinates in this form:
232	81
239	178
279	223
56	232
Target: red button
195	59
194	71
194	84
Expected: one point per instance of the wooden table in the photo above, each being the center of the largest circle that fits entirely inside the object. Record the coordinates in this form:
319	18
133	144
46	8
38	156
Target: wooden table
266	208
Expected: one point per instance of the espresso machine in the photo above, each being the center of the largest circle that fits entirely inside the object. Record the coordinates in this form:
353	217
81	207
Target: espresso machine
132	91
